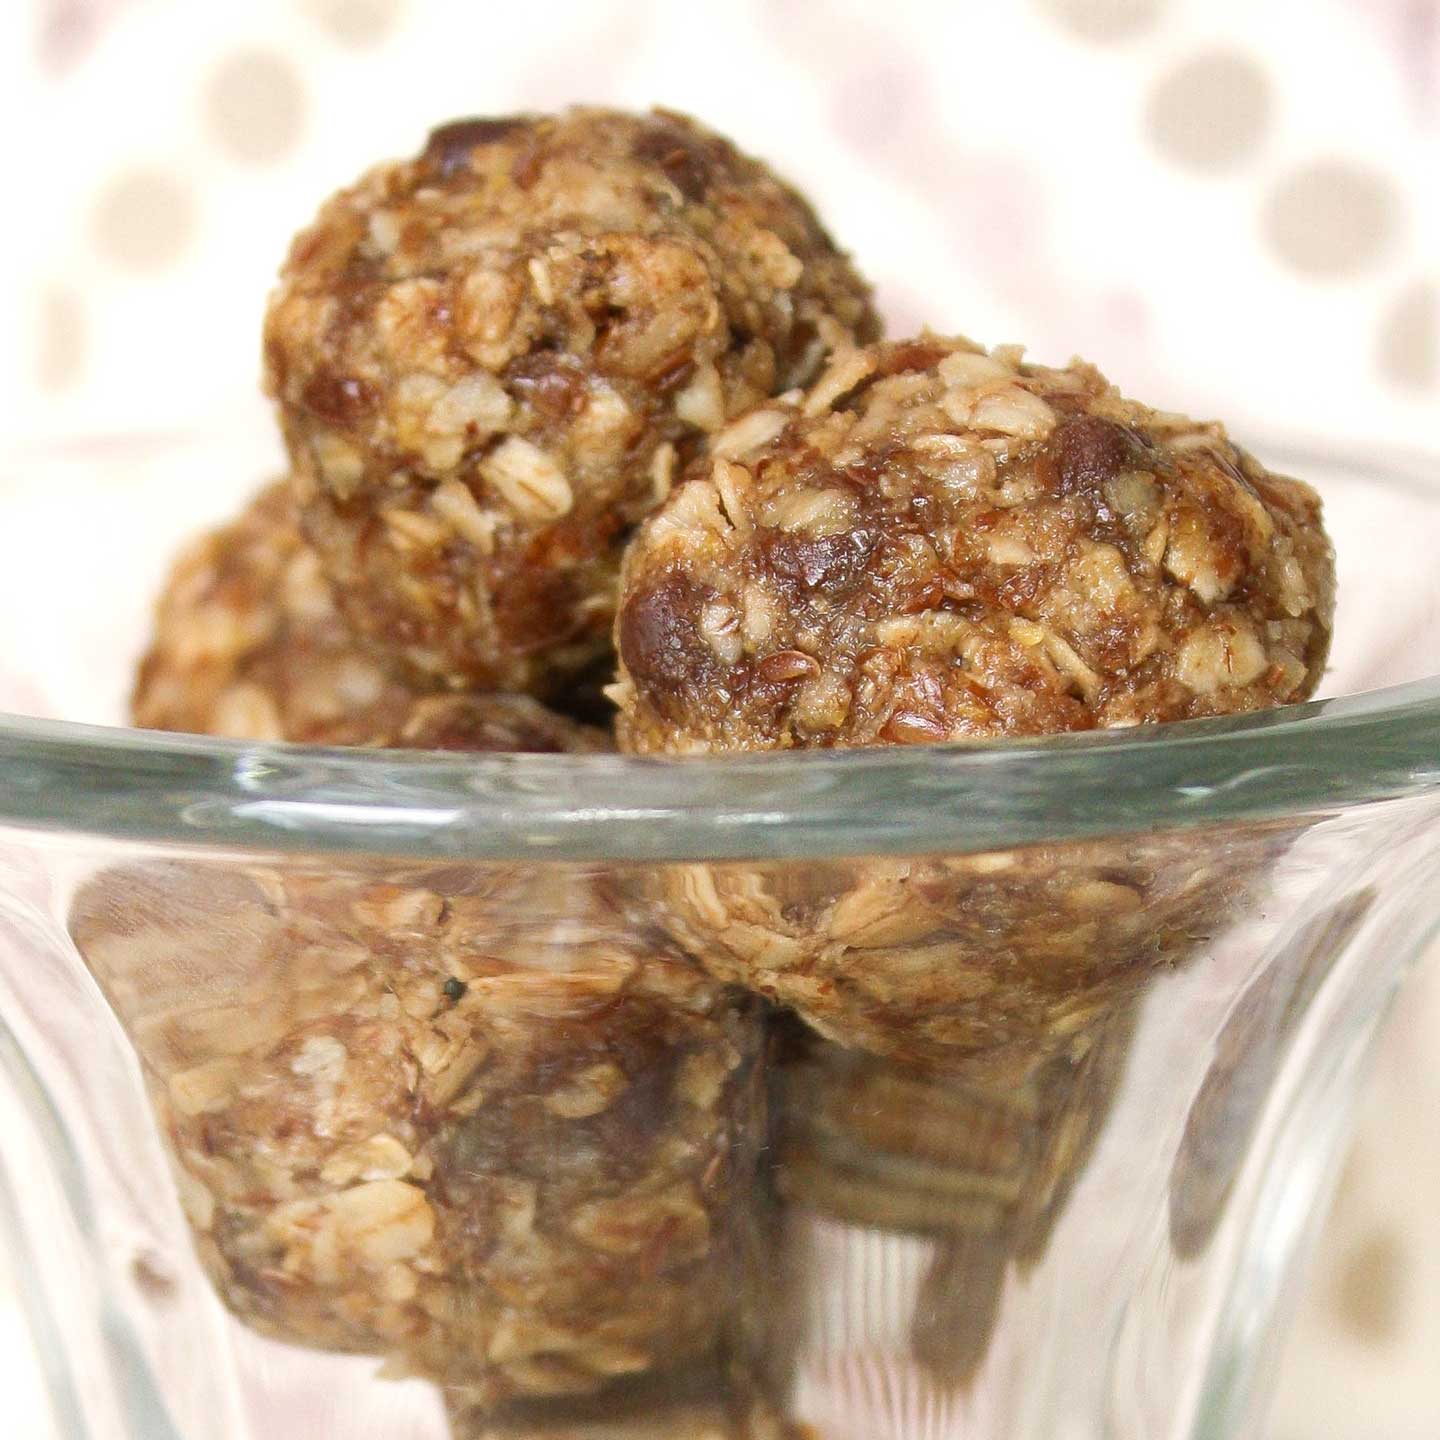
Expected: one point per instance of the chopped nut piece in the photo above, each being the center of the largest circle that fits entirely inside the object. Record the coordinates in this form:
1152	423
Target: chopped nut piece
531	310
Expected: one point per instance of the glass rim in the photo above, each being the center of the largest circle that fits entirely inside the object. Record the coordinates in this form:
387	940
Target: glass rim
187	791
196	791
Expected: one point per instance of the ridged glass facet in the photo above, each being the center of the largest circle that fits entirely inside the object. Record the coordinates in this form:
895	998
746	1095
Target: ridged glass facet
314	1060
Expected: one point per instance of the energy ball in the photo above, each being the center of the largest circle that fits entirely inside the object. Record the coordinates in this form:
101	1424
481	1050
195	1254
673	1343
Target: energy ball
491	359
935	543
967	965
471	1119
250	644
478	1120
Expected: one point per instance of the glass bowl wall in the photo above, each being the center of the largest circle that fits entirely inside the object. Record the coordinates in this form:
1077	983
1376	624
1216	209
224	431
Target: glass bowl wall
1093	1013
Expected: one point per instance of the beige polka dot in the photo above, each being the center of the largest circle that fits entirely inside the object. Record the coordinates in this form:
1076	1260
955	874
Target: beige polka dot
1408	345
254	107
1103	21
144	220
356	22
1369	1289
1331	218
1210	113
59	338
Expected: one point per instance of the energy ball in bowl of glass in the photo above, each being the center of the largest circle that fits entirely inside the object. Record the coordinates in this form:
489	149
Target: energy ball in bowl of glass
935	543
490	361
469	1119
479	1120
249	643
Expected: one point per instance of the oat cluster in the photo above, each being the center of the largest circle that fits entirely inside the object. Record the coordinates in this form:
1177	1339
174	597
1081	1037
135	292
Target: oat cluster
938	543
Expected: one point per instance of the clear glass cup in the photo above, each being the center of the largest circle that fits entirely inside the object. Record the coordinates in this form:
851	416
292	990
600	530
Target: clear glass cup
366	1094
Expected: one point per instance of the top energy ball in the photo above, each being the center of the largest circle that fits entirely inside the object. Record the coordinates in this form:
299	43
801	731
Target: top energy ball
490	360
936	543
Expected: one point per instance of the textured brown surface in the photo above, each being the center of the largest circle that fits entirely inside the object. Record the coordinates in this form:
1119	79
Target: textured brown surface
936	543
472	1120
490	359
476	1120
975	963
249	644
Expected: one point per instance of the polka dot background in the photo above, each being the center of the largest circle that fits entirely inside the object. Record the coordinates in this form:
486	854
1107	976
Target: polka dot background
1233	205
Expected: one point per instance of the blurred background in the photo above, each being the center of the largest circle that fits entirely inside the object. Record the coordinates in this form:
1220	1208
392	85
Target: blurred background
1231	205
